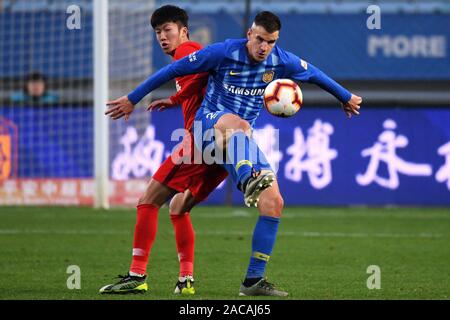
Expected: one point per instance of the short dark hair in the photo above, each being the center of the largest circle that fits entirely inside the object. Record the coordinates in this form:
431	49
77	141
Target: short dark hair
169	13
35	76
268	21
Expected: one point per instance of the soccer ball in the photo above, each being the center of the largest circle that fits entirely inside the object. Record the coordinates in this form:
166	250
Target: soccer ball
283	98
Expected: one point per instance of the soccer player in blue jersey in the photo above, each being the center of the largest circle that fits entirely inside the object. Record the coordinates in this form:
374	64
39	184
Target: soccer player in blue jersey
239	70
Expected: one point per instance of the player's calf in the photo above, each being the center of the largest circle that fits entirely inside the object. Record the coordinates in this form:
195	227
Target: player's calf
271	202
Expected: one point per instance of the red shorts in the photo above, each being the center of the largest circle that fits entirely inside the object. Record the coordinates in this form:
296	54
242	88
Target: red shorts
200	179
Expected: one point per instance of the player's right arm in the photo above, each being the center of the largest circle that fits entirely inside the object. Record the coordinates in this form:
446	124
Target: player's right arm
197	62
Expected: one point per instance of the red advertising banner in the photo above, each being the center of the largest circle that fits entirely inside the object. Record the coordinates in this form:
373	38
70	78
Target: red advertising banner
67	192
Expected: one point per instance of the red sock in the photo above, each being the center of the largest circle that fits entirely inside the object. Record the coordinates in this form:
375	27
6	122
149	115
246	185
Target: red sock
144	236
185	238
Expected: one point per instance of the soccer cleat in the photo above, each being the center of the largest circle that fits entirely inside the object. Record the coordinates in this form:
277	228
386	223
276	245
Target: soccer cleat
261	288
256	184
126	284
185	285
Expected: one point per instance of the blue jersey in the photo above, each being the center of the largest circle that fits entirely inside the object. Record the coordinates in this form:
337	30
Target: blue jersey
236	84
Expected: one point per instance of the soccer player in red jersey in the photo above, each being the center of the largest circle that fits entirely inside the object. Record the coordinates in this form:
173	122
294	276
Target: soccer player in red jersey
187	183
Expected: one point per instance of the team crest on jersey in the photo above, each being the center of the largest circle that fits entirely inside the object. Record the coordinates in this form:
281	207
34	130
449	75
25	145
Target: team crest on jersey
268	76
192	57
304	64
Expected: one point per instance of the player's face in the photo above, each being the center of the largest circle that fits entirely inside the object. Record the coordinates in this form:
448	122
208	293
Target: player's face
170	36
260	42
36	88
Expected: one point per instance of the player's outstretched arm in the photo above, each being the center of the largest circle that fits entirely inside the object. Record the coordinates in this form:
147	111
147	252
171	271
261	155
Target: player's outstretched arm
121	107
161	104
352	106
200	61
299	69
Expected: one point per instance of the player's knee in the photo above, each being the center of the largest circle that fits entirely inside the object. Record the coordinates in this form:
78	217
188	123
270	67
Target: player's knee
243	125
151	198
278	205
176	204
231	122
272	206
239	126
156	194
147	199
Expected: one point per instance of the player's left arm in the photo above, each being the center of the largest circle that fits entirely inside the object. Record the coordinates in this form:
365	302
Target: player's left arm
301	70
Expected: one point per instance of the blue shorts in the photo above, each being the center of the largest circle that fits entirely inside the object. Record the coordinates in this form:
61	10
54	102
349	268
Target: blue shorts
203	131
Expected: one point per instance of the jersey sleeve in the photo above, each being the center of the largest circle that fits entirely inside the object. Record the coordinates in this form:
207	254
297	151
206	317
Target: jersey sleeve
195	83
185	49
196	62
301	70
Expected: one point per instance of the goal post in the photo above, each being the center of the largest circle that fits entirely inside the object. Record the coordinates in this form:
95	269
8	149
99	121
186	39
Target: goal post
122	47
101	91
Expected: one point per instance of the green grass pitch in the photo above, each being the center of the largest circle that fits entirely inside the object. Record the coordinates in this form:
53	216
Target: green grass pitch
320	253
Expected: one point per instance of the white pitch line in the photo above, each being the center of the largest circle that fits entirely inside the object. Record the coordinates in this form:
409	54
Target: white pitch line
314	234
63	232
303	234
319	215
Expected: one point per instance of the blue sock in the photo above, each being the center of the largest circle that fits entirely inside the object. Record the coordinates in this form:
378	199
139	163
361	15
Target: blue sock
263	241
243	153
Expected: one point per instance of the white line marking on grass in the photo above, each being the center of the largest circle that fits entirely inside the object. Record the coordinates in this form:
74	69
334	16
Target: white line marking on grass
308	234
303	234
64	232
240	213
323	215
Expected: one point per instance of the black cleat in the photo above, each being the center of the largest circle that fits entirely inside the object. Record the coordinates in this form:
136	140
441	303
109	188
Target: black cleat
185	285
126	284
261	288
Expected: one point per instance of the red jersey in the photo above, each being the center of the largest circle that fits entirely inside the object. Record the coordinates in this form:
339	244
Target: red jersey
200	179
191	88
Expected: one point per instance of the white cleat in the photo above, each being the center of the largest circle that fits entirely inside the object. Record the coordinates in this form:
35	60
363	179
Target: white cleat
255	186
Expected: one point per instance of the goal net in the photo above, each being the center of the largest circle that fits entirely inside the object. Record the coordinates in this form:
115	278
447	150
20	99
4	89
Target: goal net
47	99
